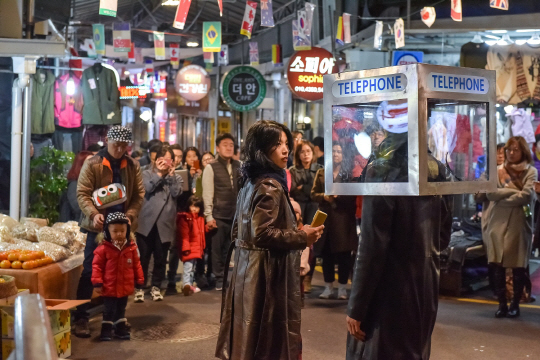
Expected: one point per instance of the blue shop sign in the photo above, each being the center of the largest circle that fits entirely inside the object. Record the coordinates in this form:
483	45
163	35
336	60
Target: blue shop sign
407	57
371	85
458	83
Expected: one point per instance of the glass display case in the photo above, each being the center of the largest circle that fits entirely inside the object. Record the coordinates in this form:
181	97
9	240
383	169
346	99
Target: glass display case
410	130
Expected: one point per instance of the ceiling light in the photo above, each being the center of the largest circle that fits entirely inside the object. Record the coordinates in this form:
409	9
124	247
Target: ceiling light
192	43
491	42
170	2
492	37
527	30
307	120
498	31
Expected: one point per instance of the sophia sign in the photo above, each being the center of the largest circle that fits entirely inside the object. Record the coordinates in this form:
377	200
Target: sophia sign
192	82
305	72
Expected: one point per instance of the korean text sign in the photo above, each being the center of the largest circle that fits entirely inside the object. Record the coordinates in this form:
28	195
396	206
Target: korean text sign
243	88
192	82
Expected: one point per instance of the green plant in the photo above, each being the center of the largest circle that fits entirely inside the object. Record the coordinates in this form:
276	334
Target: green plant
48	182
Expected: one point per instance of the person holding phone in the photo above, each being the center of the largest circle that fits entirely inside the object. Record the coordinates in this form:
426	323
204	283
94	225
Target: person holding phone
157	221
260	316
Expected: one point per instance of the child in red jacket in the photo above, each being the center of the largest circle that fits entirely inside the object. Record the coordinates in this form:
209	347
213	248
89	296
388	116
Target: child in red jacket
191	241
115	270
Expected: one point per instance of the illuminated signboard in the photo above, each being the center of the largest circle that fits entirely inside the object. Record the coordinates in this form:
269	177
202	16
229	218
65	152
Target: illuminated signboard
305	72
192	82
133	92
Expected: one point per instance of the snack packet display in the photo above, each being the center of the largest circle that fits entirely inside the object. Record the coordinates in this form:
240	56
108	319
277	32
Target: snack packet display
48	234
27	231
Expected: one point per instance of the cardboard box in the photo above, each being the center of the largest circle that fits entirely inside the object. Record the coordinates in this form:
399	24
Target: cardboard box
8	345
63	344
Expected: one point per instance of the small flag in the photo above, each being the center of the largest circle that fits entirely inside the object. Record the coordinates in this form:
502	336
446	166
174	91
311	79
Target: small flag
149	66
300	40
139	59
276	55
131	54
253	53
428	15
267	16
99	38
220	4
309	19
377	38
122	37
174	49
499	4
208	66
249	18
159	45
108	7
339	32
223	55
346	28
208	57
399	33
89	47
212	36
456	13
181	14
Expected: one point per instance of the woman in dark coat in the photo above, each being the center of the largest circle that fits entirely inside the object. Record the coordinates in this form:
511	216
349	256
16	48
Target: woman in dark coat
69	207
339	238
260	317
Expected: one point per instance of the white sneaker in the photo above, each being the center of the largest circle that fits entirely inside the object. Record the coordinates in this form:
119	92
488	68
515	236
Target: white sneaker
328	292
139	296
342	293
156	294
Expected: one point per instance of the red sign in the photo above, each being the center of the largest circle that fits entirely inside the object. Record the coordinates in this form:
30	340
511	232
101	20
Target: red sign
192	82
305	72
162	130
133	92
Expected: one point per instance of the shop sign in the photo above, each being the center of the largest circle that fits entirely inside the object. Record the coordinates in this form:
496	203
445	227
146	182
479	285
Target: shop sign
243	88
133	92
192	82
458	83
407	57
305	72
370	85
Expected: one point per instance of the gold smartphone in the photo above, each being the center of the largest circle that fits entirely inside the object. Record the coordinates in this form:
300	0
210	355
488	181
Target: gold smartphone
318	219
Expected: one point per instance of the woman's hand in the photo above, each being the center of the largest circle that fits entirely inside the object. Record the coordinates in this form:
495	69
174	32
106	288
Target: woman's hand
171	171
313	233
537	187
192	171
162	166
353	326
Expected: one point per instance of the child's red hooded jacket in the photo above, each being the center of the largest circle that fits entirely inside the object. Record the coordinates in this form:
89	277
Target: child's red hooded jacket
190	235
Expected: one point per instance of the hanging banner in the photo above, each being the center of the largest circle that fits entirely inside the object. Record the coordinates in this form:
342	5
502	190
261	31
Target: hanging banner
249	18
267	15
499	4
223	55
346	28
399	33
277	60
89	47
300	41
131	54
192	82
377	38
122	37
456	13
149	67
159	45
208	57
305	72
309	19
108	7
212	36
99	38
181	14
220	4
428	15
174	49
339	32
243	88
253	53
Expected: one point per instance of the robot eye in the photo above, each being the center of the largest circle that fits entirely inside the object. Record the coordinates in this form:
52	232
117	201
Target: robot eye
102	192
112	189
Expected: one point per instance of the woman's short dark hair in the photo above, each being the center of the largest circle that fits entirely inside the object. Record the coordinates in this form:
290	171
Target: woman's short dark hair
136	153
262	139
298	150
523	146
500	146
163	150
188	149
195	201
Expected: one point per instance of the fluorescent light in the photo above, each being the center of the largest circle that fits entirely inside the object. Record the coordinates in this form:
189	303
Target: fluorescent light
192	43
527	30
491	42
498	31
492	37
170	2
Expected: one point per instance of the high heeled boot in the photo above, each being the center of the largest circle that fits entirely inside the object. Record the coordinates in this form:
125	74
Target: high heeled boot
518	277
499	279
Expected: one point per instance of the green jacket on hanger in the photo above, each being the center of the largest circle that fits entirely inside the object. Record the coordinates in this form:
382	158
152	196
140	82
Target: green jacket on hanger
42	106
101	96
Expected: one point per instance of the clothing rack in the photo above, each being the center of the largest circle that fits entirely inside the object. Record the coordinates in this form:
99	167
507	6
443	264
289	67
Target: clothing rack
59	68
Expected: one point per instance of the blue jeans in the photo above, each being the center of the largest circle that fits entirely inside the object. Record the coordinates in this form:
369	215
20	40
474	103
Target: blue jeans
85	288
189	271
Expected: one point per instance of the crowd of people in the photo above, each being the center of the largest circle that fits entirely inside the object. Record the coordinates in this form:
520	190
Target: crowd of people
178	205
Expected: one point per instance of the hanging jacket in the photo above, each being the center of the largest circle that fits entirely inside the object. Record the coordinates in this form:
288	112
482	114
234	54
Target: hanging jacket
117	270
190	235
42	107
68	108
521	125
101	96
